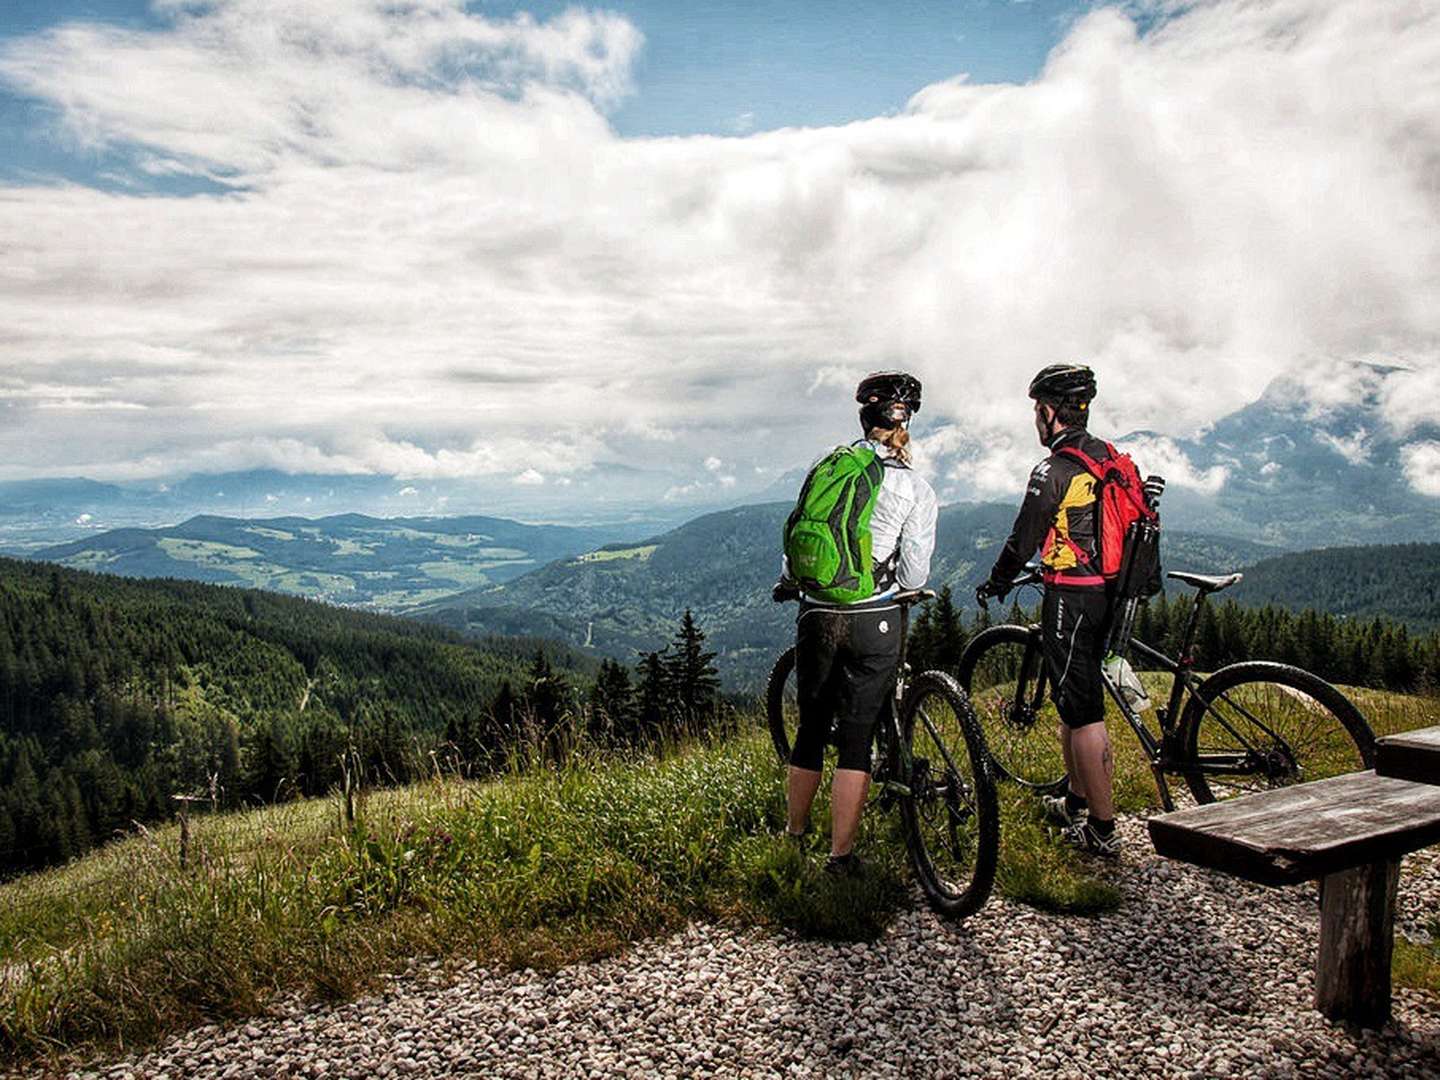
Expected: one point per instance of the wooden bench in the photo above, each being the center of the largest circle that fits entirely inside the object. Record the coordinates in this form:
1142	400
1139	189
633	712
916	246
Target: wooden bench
1350	832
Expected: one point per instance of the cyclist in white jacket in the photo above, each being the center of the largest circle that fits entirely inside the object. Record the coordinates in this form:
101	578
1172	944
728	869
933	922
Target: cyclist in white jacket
846	654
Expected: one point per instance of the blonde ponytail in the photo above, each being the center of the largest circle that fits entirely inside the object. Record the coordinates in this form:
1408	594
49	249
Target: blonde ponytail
896	440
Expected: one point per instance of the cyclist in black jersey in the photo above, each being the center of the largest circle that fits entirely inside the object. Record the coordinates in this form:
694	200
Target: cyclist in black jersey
1059	518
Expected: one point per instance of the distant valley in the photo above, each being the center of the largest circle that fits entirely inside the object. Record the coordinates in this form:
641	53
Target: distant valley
388	564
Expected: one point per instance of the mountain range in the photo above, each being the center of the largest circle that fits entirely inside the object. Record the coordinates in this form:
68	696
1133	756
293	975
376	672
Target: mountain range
627	598
1290	470
1302	474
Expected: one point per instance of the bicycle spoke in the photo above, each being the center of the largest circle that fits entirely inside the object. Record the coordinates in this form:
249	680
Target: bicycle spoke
951	817
1267	730
1017	718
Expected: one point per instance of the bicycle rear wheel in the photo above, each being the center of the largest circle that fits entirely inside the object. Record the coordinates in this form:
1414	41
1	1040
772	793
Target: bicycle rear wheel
1259	725
950	817
1004	673
782	710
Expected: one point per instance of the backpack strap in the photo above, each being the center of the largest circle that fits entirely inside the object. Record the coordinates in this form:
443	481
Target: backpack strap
1093	467
1101	472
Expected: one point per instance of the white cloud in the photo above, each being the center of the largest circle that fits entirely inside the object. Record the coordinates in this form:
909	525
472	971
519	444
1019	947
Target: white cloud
713	464
530	478
436	258
1351	447
1422	466
408	491
1163	457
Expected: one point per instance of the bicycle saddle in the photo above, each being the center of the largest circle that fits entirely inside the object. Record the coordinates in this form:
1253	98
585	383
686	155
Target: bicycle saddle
1206	582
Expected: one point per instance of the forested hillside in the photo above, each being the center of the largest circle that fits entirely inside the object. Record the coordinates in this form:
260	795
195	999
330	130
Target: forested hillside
116	694
1397	581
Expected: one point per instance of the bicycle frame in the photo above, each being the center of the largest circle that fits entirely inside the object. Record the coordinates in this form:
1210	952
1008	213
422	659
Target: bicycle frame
1165	756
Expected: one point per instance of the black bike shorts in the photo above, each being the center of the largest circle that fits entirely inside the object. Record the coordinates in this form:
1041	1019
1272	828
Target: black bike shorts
1074	624
845	662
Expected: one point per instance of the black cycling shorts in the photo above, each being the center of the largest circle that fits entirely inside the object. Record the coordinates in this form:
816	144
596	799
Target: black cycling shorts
845	661
1074	624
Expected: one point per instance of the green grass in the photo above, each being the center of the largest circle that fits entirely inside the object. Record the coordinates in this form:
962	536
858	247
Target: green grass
543	867
1037	869
1417	966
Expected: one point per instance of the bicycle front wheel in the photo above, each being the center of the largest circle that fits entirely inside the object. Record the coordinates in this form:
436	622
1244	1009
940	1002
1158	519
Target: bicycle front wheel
1004	674
1259	725
782	709
950	816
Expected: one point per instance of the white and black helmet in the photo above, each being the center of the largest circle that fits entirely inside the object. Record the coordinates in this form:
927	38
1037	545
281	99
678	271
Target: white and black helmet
887	398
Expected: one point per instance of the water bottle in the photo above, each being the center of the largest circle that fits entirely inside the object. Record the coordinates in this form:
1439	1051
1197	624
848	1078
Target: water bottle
1119	671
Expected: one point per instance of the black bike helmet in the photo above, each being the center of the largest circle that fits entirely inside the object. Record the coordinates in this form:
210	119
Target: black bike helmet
1063	384
879	392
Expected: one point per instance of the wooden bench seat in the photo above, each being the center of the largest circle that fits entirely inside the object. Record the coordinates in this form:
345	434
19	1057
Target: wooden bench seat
1413	755
1350	832
1299	833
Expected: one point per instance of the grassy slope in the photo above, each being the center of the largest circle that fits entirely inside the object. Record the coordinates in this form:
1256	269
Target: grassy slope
547	866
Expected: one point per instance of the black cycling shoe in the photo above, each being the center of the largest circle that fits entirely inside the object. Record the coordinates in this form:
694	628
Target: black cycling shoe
850	865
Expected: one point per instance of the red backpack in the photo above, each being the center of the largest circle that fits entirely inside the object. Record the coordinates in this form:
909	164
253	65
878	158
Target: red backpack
1119	504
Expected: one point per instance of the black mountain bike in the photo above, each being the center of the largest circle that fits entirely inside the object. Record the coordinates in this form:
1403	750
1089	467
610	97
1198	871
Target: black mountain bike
931	763
1248	726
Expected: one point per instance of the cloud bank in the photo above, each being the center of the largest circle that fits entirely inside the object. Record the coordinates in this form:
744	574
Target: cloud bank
426	252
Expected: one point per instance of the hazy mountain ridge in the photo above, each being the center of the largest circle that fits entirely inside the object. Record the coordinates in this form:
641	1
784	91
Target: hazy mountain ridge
1297	474
46	512
1305	475
722	566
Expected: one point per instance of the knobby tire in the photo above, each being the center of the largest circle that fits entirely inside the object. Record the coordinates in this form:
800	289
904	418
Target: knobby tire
951	817
1022	741
781	710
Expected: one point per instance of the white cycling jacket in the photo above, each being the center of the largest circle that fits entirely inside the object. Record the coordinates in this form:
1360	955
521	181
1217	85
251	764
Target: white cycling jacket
903	520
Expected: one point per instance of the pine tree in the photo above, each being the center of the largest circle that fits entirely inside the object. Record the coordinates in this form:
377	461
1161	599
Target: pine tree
546	692
949	633
612	706
654	698
692	675
921	648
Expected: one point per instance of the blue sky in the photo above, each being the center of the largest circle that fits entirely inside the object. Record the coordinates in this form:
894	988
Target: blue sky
706	68
440	242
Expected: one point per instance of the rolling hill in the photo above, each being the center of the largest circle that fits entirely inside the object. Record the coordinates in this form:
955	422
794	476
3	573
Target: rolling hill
116	694
387	564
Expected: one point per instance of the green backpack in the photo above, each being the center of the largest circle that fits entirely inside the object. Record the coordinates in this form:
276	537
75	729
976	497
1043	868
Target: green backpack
827	536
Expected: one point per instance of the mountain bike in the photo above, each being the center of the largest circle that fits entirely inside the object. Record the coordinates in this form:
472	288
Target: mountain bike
1247	726
931	764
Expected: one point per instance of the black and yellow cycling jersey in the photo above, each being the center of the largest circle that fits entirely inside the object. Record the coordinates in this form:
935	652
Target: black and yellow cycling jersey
1058	517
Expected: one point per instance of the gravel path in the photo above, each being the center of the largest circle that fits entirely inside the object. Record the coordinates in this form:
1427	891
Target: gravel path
1010	992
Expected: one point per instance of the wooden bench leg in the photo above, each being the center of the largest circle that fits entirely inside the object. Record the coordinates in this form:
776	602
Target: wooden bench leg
1357	934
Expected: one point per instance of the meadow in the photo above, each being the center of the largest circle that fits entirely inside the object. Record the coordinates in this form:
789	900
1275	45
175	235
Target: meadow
550	864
